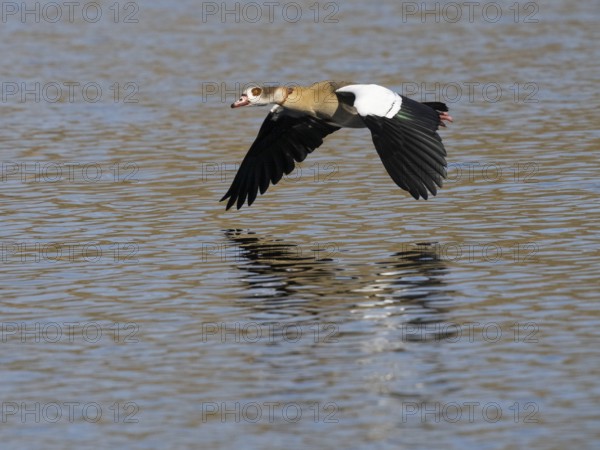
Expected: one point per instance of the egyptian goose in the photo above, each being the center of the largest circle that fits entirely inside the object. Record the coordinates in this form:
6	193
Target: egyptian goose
403	131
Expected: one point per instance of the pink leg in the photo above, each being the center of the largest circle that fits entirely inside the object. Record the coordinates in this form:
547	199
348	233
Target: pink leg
444	116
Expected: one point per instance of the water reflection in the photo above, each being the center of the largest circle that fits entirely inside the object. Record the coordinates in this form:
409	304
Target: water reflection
408	284
411	283
280	271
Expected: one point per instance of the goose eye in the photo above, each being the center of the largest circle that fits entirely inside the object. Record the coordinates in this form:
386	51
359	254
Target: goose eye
256	91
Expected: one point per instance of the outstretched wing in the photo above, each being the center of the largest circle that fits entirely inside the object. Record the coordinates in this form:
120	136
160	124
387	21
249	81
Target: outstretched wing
410	148
282	139
404	134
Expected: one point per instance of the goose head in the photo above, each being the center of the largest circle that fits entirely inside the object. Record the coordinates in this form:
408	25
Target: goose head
261	96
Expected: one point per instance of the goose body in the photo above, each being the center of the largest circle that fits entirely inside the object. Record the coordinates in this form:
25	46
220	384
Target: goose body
404	133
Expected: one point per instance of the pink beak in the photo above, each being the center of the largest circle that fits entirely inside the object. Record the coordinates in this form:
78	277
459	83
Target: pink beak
243	101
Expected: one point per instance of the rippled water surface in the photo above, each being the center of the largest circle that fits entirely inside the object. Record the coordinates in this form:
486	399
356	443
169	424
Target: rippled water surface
336	312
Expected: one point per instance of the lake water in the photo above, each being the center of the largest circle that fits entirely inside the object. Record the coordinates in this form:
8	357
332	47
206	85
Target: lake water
336	312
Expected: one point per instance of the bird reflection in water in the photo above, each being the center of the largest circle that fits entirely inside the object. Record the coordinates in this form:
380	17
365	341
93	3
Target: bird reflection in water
310	280
279	271
411	283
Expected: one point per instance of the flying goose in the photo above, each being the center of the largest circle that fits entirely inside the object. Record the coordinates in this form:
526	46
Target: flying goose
403	131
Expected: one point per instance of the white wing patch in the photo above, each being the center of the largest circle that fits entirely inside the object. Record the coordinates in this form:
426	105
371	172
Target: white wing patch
374	100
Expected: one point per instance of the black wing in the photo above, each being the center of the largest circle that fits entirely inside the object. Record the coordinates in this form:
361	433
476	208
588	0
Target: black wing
282	139
409	147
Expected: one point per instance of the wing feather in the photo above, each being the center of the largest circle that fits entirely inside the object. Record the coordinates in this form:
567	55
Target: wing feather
282	140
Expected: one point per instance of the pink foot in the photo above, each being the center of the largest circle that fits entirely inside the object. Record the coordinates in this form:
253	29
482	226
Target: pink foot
444	116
